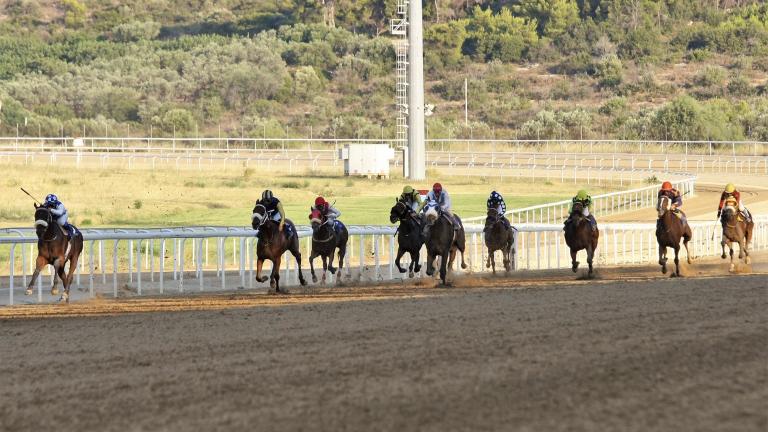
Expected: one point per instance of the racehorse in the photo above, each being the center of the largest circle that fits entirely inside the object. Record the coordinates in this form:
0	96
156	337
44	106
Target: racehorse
579	236
272	245
409	238
443	240
736	229
498	237
325	241
55	249
668	234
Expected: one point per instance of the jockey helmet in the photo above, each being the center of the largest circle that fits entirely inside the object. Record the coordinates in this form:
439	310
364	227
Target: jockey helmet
437	188
730	188
666	186
320	201
582	195
267	195
495	195
51	199
407	190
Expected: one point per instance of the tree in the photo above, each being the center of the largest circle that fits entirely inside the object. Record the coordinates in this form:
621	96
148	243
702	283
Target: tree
74	13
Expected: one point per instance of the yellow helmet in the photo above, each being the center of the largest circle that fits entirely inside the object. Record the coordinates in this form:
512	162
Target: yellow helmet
730	188
407	190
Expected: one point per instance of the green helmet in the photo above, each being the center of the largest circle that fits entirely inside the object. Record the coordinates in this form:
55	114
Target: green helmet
582	195
407	190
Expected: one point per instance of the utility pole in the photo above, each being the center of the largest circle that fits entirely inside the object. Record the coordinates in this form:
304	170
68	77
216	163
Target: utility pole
466	102
416	144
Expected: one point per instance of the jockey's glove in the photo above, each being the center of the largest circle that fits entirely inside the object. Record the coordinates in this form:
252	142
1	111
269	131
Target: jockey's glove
719	212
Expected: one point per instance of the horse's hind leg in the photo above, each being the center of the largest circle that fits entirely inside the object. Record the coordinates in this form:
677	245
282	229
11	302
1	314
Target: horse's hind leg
415	261
324	259
732	267
331	268
342	253
297	254
39	264
259	265
745	247
677	261
71	274
274	277
400	253
663	259
590	255
58	269
722	244
492	258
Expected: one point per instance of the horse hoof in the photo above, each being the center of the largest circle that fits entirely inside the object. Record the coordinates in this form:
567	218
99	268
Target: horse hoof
332	270
673	275
261	279
748	260
410	275
28	291
463	266
722	256
732	268
401	270
54	291
303	282
663	269
487	266
314	279
64	298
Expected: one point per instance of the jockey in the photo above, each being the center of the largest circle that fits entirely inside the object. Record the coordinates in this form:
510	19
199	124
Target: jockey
677	200
329	212
57	209
583	198
441	197
274	207
496	202
730	194
411	198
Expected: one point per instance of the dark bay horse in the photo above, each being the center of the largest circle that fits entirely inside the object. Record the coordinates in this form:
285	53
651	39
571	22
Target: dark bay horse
55	249
443	240
272	245
579	236
325	241
668	234
498	237
409	238
736	230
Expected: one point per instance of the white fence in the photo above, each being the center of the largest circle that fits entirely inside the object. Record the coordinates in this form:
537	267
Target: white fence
603	205
172	261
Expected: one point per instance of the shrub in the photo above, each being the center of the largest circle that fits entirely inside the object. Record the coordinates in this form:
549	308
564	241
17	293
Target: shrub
137	204
136	31
740	87
609	71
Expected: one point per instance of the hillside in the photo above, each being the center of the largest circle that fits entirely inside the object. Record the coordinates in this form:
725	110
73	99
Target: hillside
651	69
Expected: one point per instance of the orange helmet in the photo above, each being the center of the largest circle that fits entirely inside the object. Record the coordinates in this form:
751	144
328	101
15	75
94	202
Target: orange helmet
666	186
320	201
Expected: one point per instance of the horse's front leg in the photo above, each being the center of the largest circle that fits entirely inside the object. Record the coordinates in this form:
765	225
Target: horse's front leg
492	258
312	265
444	268
342	253
732	267
722	244
331	268
259	265
677	261
663	259
274	277
324	259
415	256
430	263
39	264
574	263
400	253
64	279
747	259
688	257
57	270
590	256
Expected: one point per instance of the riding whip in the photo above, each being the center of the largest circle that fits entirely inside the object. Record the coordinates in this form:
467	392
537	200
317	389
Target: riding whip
30	195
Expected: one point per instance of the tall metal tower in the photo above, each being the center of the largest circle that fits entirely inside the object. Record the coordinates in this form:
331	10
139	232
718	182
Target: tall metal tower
410	85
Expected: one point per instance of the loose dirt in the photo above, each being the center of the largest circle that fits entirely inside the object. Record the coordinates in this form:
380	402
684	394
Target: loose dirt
630	350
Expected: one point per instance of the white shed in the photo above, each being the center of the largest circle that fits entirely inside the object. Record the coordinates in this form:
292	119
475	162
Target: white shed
367	159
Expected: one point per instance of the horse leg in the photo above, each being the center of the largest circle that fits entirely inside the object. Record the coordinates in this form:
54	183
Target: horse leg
274	277
687	251
259	264
574	263
331	268
71	274
444	269
312	266
590	255
488	261
747	259
677	261
39	264
415	261
297	254
663	259
61	272
451	258
430	264
324	259
722	244
342	252
732	268
400	253
492	258
57	268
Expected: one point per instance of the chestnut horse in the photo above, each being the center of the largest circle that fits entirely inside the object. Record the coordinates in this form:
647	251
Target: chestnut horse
668	234
272	244
55	249
736	230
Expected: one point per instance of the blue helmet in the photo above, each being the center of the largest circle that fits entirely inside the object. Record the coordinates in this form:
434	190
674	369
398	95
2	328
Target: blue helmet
51	199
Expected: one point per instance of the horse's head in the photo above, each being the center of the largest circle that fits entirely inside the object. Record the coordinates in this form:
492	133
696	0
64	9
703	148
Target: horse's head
399	211
577	210
43	220
729	211
432	211
259	216
665	203
316	219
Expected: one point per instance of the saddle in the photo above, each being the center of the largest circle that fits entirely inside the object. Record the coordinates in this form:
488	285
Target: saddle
338	226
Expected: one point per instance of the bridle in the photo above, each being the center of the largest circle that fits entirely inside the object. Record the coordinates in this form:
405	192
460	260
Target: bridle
264	216
331	233
47	224
730	209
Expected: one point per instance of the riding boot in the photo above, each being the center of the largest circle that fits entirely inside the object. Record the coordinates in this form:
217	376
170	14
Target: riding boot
747	216
593	223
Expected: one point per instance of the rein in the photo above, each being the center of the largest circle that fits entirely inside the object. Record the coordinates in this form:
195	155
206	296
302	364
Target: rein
331	235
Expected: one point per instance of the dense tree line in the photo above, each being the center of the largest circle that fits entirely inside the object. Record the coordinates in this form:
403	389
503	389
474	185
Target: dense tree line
536	68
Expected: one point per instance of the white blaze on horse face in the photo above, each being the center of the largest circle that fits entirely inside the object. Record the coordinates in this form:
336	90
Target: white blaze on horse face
41	223
258	216
431	214
314	221
664	204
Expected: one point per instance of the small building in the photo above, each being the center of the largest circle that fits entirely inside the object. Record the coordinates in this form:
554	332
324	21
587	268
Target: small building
368	160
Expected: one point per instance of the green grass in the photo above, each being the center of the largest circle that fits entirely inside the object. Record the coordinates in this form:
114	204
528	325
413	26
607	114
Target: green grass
138	198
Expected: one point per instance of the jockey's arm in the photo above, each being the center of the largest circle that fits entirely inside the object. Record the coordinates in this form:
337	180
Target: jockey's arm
422	203
58	210
334	212
447	201
282	215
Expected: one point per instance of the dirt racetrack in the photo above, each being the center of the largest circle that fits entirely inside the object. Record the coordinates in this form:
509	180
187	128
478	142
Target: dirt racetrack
629	351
